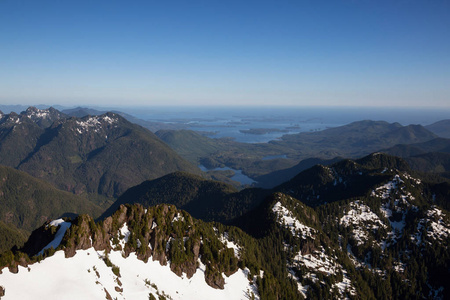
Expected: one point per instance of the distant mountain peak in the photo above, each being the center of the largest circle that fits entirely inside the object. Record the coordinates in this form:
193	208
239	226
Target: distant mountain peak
33	112
103	154
96	122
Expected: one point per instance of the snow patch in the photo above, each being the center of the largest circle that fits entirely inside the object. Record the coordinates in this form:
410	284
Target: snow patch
37	114
230	244
95	123
318	261
125	233
303	289
286	219
59	234
345	286
178	217
363	220
437	229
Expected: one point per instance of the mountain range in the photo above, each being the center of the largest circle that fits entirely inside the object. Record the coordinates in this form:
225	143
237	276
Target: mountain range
102	155
97	207
385	239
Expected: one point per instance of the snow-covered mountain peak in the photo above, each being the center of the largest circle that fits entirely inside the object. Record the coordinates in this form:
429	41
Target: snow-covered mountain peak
35	113
95	123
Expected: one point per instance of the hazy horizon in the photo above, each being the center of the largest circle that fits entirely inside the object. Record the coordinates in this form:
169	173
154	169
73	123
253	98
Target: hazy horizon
338	115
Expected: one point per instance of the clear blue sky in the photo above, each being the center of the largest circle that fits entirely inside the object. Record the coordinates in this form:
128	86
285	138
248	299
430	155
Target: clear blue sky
337	52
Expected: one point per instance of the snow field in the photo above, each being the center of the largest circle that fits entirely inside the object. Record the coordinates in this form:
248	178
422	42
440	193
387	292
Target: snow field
86	276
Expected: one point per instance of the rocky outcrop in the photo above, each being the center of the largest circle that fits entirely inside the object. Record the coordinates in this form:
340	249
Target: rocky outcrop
161	233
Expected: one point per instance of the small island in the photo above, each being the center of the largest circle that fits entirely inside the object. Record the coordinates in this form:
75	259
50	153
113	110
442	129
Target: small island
260	131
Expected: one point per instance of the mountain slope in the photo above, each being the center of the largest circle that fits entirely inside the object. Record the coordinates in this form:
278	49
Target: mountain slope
19	136
376	231
205	199
189	144
432	156
10	236
26	202
406	150
276	178
96	155
342	180
387	240
441	128
355	139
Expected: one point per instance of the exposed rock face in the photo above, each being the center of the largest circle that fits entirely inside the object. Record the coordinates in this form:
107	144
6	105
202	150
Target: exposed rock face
214	279
39	238
161	233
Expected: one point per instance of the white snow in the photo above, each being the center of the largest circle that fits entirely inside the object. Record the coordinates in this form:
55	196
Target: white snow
396	184
86	276
385	190
437	229
397	226
345	286
399	266
38	113
398	203
125	232
363	220
303	289
58	236
287	219
318	261
95	122
178	217
230	244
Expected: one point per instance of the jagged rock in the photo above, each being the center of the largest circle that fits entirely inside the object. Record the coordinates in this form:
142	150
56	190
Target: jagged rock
188	267
144	256
150	232
215	280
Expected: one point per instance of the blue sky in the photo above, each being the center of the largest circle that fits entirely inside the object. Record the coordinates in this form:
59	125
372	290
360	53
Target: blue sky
326	53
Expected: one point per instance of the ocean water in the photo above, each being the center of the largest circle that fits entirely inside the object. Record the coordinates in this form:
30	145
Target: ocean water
262	124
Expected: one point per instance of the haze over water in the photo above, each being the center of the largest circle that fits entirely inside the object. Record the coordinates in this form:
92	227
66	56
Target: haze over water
233	122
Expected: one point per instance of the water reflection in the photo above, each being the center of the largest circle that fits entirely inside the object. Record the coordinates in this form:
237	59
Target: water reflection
238	176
